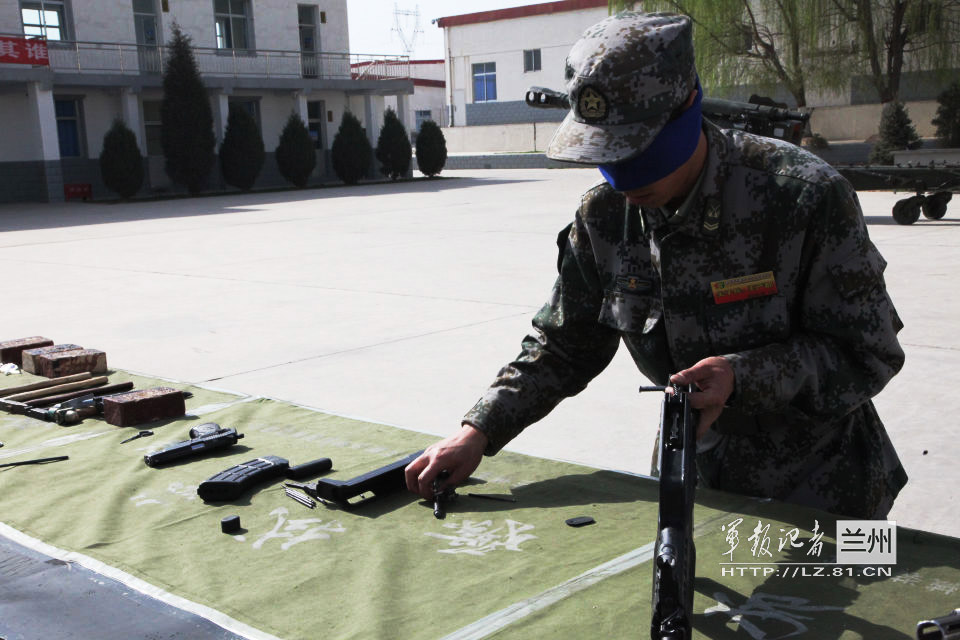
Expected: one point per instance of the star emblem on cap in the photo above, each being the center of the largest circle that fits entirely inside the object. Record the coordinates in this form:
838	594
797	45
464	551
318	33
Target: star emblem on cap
592	105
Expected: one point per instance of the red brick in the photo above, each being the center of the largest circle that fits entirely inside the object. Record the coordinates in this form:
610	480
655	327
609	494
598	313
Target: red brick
12	350
54	365
144	405
30	355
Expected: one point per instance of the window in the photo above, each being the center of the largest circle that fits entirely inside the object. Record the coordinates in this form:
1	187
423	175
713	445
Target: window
307	24
531	60
152	127
307	18
485	82
421	117
69	127
232	24
251	105
44	18
315	122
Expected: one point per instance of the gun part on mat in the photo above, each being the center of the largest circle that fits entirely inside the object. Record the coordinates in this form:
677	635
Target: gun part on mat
442	495
675	554
380	482
944	628
232	483
300	497
204	438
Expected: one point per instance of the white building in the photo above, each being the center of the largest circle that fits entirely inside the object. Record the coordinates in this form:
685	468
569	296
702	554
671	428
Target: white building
493	57
104	61
428	101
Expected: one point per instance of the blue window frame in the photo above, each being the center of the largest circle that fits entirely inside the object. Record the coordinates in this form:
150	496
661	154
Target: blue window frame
485	82
68	127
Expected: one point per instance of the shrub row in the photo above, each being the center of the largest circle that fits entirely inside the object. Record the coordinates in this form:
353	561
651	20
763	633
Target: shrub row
188	141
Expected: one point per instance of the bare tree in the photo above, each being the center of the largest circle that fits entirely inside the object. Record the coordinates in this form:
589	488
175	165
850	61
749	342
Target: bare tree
806	45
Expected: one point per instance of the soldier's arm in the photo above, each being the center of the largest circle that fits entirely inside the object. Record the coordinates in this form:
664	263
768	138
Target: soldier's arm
846	349
567	349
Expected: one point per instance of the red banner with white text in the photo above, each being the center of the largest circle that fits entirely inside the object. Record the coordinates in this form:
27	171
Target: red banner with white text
23	51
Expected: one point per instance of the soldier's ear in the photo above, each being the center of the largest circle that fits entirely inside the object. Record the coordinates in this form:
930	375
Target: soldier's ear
689	102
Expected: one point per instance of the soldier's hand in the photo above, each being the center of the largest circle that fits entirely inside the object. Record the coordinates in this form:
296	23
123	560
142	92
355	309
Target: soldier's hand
460	455
715	379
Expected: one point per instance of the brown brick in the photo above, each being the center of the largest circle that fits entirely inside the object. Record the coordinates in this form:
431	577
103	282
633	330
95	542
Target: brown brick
12	350
30	355
144	405
54	365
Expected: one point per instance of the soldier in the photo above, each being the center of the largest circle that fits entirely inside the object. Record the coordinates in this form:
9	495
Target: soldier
736	263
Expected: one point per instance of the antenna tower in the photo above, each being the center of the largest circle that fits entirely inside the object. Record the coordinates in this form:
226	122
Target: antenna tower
408	36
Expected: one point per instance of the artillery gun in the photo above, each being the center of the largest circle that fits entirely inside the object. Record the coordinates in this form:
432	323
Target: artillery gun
934	186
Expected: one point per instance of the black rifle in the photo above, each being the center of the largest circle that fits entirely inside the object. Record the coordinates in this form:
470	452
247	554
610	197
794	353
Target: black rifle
675	556
943	628
773	122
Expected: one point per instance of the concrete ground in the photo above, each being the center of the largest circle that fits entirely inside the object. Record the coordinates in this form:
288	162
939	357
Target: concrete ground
398	303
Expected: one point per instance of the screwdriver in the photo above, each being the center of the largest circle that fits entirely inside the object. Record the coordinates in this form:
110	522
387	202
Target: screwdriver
142	434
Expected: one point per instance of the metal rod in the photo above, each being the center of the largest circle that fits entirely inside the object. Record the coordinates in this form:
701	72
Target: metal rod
303	499
35	461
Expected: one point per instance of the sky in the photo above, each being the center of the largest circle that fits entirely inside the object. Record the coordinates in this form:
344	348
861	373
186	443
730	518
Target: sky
373	24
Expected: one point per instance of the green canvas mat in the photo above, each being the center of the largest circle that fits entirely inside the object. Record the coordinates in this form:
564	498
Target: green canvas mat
389	569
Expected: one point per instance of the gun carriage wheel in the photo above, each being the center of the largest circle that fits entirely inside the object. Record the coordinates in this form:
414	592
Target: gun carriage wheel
935	205
907	211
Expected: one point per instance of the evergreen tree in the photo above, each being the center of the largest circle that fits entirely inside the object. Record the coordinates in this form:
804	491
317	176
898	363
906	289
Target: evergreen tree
947	121
896	133
121	165
351	150
296	156
241	154
186	120
431	149
393	146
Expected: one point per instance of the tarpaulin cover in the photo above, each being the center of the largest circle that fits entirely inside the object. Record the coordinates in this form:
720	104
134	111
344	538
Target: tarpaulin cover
389	569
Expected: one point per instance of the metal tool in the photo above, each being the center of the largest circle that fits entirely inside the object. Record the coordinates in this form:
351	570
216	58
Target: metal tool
310	490
142	434
302	498
35	461
491	496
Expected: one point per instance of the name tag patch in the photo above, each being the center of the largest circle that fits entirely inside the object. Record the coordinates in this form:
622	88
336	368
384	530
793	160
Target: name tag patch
734	289
633	284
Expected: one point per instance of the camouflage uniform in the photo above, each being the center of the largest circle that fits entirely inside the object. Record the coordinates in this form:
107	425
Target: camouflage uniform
800	426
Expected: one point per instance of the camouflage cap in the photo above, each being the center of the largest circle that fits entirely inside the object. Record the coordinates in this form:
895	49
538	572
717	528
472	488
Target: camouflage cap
625	77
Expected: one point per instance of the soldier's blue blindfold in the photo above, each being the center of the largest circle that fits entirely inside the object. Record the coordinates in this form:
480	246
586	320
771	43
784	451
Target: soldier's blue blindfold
673	146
